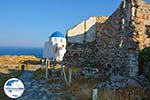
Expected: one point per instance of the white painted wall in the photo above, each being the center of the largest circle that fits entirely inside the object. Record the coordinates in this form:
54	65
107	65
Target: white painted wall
49	52
55	48
76	34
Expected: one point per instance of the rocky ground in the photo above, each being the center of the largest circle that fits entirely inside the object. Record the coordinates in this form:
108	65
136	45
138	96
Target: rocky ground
38	90
84	80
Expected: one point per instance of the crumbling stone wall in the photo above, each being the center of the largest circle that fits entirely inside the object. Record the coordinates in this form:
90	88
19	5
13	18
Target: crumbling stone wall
118	39
84	31
122	36
141	21
81	42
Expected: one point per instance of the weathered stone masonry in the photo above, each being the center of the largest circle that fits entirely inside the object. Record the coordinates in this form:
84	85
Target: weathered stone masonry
81	42
111	43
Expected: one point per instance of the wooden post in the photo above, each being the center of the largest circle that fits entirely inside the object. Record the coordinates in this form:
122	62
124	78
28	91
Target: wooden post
64	74
46	69
61	69
70	75
49	63
95	96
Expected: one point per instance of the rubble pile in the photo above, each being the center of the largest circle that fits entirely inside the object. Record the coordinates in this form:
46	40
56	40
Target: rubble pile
121	82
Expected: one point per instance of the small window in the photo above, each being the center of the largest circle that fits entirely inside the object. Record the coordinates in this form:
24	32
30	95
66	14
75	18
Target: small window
109	65
61	40
148	30
75	56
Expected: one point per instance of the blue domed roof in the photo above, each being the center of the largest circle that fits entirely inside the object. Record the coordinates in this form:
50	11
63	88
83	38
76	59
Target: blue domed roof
57	34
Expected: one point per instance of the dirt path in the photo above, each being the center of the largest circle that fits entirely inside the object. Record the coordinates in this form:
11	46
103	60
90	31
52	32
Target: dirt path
37	90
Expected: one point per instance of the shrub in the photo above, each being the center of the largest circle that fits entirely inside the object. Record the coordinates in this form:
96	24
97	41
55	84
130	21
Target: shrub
39	74
145	55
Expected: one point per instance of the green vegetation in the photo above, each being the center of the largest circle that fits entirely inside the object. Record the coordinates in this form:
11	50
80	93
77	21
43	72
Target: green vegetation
145	56
39	74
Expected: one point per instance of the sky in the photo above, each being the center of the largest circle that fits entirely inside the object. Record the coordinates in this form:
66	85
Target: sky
29	23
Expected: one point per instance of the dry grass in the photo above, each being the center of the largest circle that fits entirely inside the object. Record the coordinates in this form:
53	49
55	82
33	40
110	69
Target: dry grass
124	94
17	59
8	63
39	74
81	88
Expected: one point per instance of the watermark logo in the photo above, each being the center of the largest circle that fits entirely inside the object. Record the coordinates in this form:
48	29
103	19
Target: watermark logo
14	88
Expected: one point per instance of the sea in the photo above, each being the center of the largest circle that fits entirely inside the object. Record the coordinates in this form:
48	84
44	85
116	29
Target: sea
22	51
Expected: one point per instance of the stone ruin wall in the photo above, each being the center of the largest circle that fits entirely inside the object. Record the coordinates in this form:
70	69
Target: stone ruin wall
141	21
81	42
76	39
118	40
114	40
84	31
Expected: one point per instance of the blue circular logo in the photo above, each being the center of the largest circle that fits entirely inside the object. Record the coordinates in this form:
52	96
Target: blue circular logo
13	88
